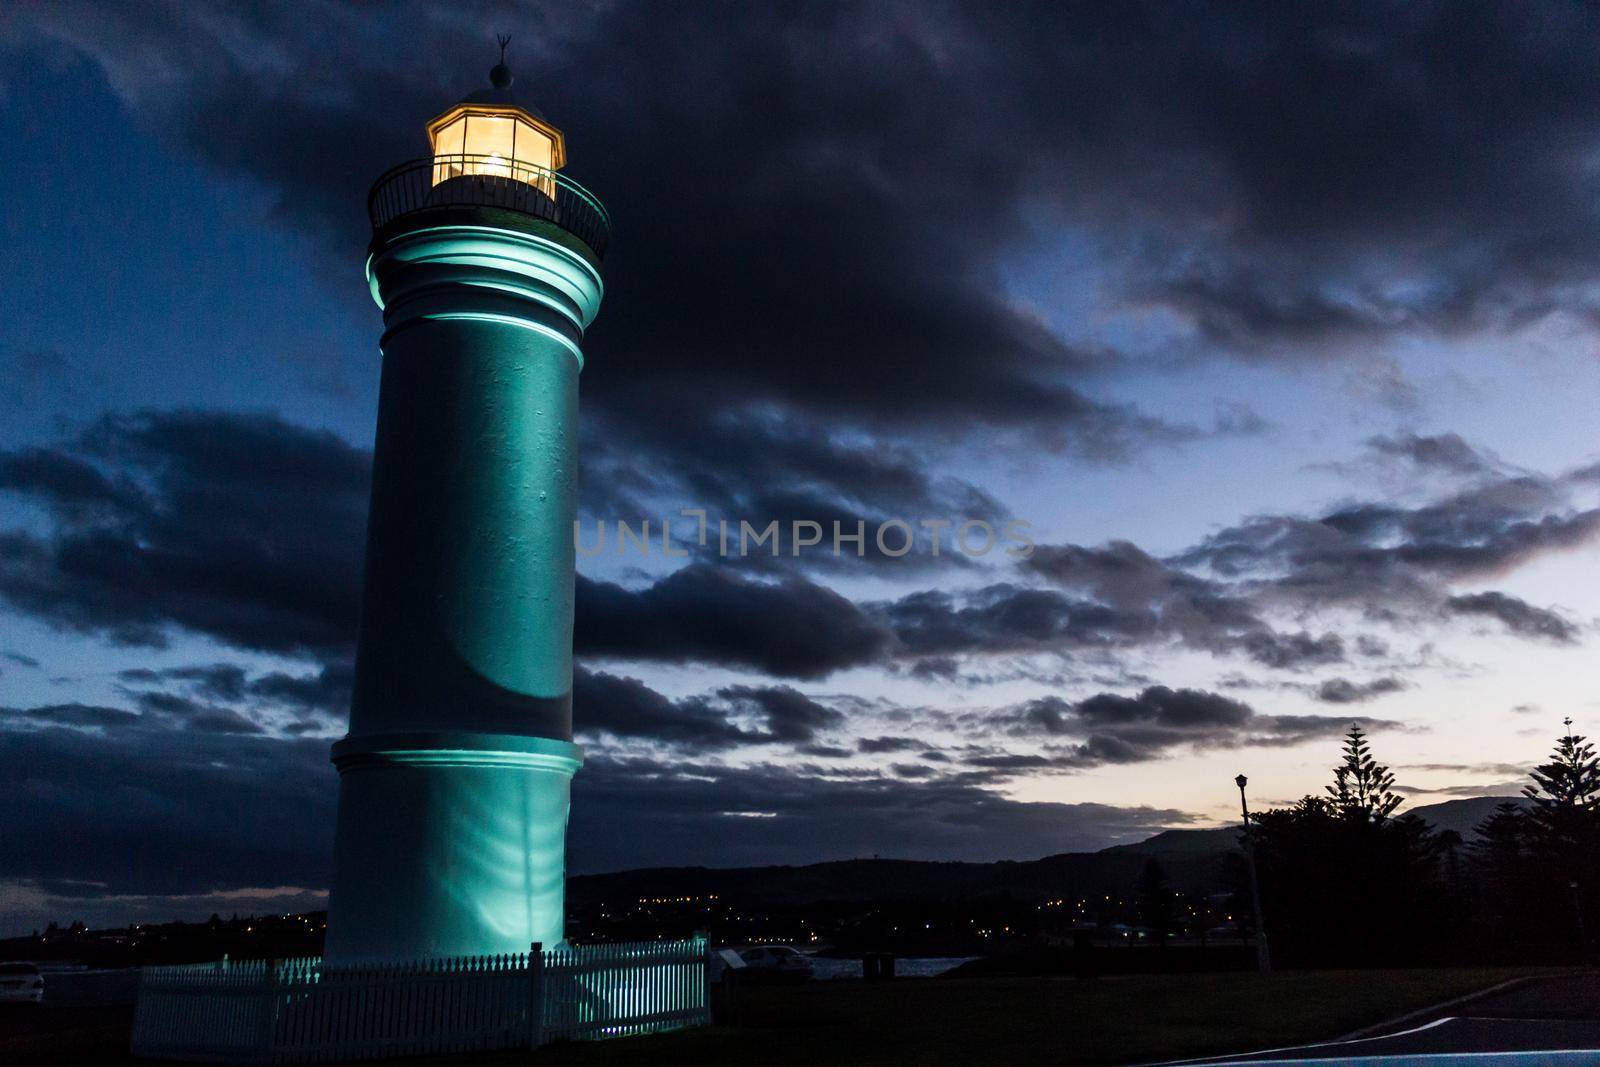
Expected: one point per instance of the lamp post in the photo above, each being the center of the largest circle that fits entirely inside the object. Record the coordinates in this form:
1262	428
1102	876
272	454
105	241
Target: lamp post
1583	933
1263	956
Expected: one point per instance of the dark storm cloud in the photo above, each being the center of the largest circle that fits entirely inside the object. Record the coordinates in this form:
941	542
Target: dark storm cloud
787	469
1294	650
225	698
1148	726
247	529
150	809
789	714
1447	452
869	138
790	628
733	715
75	715
185	713
219	681
1008	618
1344	691
1382	561
824	751
1200	612
1388	559
326	690
1294	729
69	484
874	745
239	526
163	811
626	707
640	812
1274	173
1518	615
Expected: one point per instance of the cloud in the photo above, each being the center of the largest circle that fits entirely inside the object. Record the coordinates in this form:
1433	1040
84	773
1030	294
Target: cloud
789	715
1431	179
219	681
875	745
626	707
790	627
152	810
184	713
238	526
75	715
1389	560
1518	615
1344	691
160	522
641	812
1446	452
895	261
733	715
159	811
1006	618
1150	725
1294	650
326	690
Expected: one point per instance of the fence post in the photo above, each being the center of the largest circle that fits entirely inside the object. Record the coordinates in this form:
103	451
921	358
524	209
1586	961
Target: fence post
267	1006
704	1015
535	995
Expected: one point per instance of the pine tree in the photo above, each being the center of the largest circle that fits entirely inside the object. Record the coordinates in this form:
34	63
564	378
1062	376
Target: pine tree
1500	863
1362	787
1565	817
1500	841
1564	840
1155	900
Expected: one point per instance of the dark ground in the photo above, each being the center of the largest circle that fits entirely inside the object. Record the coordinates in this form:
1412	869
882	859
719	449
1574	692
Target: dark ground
1014	1021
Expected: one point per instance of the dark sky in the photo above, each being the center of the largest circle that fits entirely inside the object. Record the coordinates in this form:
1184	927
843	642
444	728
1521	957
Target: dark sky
1275	322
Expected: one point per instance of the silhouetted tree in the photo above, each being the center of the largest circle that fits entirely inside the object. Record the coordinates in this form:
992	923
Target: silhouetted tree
1566	799
1563	831
1502	873
1346	882
1449	844
1362	788
1155	900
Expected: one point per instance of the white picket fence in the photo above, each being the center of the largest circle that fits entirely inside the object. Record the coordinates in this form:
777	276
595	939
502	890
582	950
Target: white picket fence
641	987
297	1011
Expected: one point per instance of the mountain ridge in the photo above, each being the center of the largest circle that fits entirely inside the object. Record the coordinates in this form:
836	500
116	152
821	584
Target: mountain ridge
1190	857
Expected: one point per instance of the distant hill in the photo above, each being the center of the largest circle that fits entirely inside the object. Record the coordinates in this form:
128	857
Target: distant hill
1190	857
1462	816
1216	840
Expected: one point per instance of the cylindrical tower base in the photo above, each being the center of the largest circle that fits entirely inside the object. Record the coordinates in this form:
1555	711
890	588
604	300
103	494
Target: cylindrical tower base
449	844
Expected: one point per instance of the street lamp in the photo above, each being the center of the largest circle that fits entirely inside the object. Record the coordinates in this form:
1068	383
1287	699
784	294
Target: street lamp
1263	956
1583	934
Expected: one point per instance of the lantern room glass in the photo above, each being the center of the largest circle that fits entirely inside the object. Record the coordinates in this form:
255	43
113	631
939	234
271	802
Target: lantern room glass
499	144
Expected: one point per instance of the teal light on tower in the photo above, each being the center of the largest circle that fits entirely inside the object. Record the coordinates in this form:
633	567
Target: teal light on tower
454	778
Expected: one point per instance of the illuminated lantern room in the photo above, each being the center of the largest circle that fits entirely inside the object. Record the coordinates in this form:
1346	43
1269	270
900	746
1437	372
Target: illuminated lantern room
490	135
492	160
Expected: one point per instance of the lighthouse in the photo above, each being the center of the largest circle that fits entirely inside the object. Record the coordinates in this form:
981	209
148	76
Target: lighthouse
454	778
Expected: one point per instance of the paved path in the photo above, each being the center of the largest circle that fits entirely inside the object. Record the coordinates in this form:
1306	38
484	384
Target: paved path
1543	1015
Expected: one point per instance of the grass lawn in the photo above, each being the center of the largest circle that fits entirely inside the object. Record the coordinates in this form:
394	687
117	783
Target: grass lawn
1008	1021
1014	1021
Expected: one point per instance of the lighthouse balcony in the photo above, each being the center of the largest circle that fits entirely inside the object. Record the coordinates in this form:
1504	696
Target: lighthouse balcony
465	189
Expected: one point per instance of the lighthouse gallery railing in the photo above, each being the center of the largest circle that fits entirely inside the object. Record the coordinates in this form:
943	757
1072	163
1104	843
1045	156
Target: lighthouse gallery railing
455	181
299	1011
